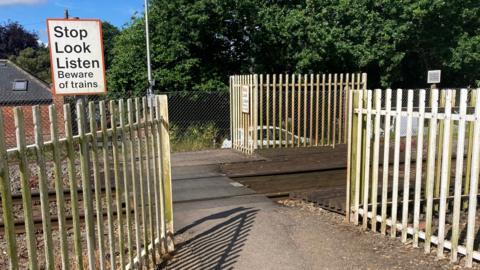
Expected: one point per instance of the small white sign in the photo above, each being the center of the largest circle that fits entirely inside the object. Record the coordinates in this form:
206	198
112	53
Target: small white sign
434	76
245	99
76	56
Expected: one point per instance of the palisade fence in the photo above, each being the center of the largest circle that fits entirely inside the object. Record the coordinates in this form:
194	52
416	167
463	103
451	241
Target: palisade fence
295	110
97	198
413	167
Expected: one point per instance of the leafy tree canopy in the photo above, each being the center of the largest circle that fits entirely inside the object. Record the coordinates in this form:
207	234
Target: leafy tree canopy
14	38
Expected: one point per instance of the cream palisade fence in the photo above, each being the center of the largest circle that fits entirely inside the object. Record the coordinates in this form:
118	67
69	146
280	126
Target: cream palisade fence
118	216
413	168
290	110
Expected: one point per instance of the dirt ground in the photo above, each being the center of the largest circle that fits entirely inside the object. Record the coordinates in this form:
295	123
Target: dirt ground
359	249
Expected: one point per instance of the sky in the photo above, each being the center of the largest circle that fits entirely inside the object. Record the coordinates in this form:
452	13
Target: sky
32	14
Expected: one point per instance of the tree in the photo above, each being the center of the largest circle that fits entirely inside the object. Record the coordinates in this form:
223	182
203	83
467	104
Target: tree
36	61
14	38
109	32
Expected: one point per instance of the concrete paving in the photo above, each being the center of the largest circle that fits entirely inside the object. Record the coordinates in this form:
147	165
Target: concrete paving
221	225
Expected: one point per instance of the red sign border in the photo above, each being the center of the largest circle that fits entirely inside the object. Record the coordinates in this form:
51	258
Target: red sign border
51	59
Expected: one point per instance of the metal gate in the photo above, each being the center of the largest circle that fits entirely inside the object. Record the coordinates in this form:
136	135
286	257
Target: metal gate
290	110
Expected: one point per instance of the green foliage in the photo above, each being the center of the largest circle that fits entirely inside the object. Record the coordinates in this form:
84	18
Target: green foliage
193	138
197	44
14	38
36	61
109	32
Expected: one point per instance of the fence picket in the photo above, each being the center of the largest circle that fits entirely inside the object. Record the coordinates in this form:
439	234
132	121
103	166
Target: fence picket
42	181
166	170
25	187
396	162
134	180
418	168
287	86
458	175
444	173
329	105
472	200
305	94
73	185
432	133
86	186
126	178
323	111
408	155
6	193
311	110
96	182
107	183
466	191
280	113
334	119
358	154
386	156
366	168
376	153
141	177
150	235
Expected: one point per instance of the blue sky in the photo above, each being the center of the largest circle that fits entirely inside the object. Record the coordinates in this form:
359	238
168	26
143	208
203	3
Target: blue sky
33	13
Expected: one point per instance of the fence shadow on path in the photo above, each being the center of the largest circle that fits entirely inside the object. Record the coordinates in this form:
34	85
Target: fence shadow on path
217	247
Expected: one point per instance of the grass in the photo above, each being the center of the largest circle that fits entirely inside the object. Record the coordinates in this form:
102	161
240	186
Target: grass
194	137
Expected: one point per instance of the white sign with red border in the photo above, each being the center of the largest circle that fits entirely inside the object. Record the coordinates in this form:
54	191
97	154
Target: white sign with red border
76	56
245	99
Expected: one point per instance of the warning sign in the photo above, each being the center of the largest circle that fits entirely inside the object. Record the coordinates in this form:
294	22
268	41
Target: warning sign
245	99
76	56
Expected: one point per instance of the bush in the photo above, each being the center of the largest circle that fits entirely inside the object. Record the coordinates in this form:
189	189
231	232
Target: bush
194	137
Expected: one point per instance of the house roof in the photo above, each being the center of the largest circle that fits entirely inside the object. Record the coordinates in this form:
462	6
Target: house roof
38	91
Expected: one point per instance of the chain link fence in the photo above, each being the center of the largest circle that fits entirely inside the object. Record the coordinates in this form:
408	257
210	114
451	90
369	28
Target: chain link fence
199	120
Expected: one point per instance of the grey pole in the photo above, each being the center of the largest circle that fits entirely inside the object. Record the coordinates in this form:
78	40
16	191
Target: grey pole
149	68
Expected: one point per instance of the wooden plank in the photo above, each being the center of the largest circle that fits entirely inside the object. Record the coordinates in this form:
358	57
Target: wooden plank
150	236
341	110
458	176
407	162
25	189
430	169
156	174
386	156
166	170
358	159
96	180
346	89
126	178
323	111
118	183
305	115
440	146
86	185
142	179
470	139
261	111
444	174
43	188
135	185
376	154
107	182
293	110
311	110
268	111
52	111
472	200
317	88
396	162
280	112
161	180
334	124
73	185
368	150
274	110
329	109
299	112
418	168
6	193
287	86
351	147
